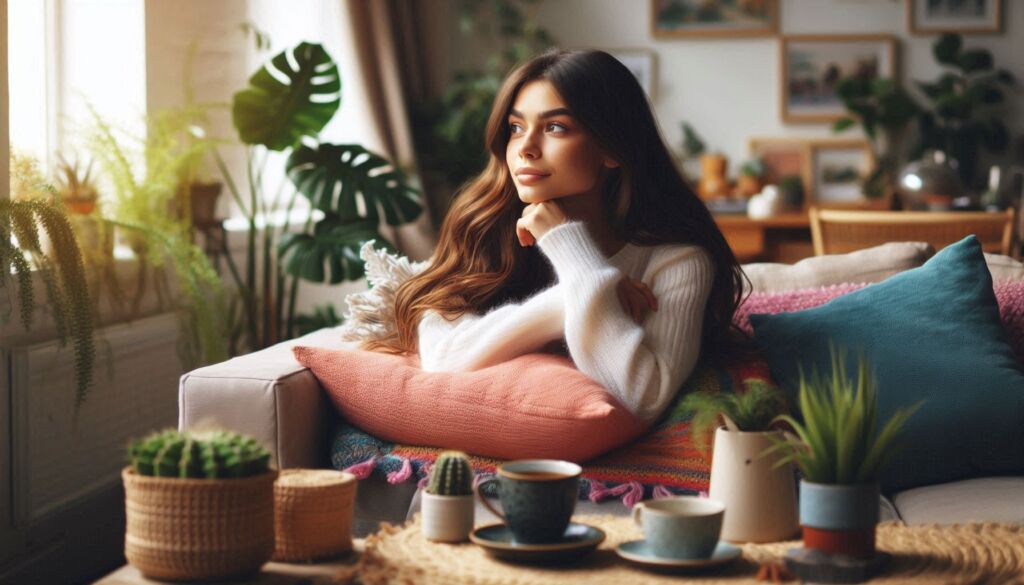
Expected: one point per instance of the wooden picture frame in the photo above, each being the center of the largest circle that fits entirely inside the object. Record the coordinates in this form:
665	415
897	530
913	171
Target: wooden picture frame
838	168
691	19
643	63
919	22
810	65
784	157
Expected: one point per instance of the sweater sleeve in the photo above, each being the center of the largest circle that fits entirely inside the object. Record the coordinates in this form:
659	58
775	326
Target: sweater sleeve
472	342
642	365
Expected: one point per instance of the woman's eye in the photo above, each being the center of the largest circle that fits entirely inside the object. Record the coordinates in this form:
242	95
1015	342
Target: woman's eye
514	127
558	127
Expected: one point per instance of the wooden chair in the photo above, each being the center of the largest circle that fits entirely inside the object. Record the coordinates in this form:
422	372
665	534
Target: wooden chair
836	231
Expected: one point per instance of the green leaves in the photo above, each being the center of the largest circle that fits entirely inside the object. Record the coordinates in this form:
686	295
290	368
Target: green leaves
334	243
837	441
947	48
353	182
754	409
292	96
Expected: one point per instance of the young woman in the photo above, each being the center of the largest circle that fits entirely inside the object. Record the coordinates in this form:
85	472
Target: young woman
580	233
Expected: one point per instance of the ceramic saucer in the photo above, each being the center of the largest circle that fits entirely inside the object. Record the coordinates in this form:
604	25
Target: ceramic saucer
578	540
638	552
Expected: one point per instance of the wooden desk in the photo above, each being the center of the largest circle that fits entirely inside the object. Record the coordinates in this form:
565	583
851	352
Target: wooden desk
781	238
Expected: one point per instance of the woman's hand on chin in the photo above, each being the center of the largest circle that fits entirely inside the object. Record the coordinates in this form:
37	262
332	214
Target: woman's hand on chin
537	220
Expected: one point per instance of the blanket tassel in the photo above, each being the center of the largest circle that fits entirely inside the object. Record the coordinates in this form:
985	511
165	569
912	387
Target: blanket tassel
363	470
402	474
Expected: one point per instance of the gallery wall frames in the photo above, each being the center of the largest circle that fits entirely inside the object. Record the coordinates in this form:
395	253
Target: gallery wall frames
704	18
954	16
810	66
831	170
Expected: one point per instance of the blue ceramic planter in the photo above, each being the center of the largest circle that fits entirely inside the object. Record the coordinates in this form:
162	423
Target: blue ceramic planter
839	507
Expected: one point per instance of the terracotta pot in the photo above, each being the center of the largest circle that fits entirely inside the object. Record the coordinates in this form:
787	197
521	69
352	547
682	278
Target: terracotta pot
712	176
204	202
447	518
80	206
198	529
839	519
760	499
748	185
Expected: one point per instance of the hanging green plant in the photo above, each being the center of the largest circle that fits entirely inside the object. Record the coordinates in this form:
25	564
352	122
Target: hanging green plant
277	114
62	272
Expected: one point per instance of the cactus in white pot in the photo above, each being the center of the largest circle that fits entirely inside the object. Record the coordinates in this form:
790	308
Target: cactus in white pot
448	506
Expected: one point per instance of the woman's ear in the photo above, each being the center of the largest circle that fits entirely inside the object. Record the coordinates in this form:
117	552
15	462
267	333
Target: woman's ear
610	163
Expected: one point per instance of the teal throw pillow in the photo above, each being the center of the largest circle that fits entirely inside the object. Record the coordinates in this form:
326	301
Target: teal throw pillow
933	334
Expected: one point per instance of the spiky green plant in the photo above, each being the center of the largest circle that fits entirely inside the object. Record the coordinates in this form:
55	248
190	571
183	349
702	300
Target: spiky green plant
752	410
60	267
837	442
210	455
451	475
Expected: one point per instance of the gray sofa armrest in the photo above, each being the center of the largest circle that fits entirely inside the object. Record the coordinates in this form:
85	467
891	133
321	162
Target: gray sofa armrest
268	395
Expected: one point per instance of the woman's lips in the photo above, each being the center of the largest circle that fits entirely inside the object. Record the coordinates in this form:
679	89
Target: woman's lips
528	179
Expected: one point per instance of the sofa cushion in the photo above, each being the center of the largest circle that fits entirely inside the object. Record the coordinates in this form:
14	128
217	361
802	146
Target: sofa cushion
869	265
662	462
986	499
1004	268
536	405
933	334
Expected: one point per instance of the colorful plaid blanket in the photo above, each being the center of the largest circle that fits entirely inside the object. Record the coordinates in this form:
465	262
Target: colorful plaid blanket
661	463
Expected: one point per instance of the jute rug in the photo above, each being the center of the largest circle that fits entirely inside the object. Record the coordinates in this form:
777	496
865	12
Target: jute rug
970	553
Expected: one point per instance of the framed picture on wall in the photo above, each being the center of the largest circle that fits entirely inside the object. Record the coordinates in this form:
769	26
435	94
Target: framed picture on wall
785	160
962	16
714	18
838	167
642	62
812	65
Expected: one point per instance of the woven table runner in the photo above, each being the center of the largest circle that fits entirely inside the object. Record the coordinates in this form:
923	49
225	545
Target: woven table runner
969	553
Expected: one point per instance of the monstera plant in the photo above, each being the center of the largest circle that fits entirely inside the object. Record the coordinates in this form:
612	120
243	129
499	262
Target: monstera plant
288	102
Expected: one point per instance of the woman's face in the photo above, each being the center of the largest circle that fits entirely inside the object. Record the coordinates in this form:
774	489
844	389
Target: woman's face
549	154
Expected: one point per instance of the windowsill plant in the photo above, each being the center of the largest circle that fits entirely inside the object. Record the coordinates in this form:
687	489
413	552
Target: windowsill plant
759	495
840	451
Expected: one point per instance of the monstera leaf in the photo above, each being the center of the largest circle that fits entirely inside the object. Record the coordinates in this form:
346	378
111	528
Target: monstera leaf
354	183
335	243
292	96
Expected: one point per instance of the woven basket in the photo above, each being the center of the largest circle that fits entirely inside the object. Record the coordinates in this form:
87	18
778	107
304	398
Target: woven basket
198	529
313	514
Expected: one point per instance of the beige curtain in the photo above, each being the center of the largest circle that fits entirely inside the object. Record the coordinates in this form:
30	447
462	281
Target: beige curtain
392	70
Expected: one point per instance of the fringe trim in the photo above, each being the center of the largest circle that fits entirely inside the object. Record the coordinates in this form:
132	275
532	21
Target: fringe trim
403	474
363	470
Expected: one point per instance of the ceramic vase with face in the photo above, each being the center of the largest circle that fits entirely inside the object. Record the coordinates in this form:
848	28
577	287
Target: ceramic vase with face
760	498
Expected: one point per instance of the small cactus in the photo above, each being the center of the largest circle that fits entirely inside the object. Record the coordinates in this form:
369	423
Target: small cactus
451	475
210	455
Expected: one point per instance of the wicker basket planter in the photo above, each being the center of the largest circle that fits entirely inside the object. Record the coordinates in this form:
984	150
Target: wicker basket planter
313	514
198	529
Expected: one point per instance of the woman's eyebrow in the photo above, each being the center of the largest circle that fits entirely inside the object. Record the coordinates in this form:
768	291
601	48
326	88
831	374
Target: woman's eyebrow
547	114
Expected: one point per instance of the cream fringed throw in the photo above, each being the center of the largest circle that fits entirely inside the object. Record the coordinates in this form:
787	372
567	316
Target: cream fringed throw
371	314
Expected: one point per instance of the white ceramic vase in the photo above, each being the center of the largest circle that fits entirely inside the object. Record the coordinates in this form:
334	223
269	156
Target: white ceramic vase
760	499
446	518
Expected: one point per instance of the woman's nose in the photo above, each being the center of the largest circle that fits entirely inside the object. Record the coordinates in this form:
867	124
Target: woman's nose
529	148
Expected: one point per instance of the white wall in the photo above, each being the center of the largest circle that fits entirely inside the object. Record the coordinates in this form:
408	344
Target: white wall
728	88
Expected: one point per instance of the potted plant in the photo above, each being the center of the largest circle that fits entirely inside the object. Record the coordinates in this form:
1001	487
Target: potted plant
791	188
759	495
713	183
749	182
448	506
693	148
199	506
44	245
840	452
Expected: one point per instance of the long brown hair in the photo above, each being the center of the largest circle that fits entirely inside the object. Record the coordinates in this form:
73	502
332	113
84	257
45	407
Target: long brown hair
479	264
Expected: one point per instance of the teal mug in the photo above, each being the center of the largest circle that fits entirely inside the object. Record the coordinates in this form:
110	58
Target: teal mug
683	527
538	497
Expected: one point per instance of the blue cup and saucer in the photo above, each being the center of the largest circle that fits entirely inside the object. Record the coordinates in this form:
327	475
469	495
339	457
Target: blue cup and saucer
680	532
538	497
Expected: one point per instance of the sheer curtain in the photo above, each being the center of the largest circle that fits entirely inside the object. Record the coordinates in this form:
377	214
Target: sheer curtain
391	72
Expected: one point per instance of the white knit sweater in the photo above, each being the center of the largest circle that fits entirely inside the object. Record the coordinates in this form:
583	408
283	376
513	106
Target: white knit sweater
642	365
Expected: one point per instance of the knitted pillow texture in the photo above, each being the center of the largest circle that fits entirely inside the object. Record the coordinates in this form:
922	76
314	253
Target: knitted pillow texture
931	334
371	313
533	406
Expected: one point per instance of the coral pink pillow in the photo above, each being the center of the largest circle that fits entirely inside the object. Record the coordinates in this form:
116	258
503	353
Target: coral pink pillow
534	406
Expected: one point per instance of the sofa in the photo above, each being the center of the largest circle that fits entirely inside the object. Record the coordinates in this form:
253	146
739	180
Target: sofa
268	395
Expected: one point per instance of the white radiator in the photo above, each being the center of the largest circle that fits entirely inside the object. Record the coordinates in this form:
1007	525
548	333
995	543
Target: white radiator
134	392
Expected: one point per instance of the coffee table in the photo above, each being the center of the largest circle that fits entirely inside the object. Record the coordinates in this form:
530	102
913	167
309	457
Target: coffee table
974	553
